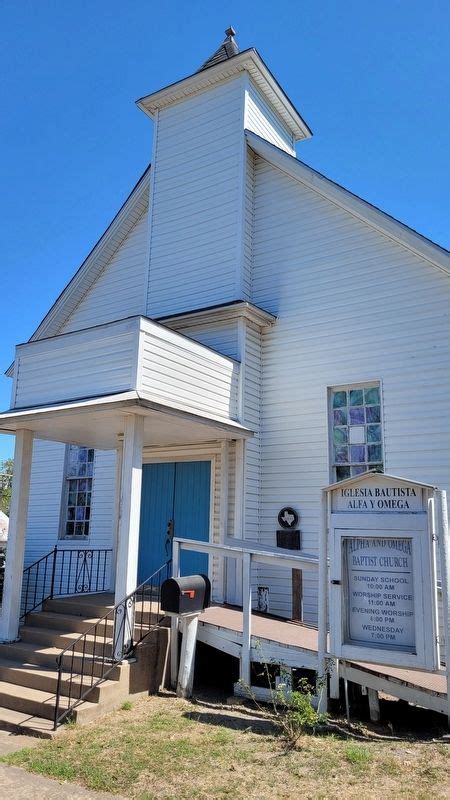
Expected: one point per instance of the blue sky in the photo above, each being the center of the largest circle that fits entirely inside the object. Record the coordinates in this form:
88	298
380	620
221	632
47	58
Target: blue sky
371	79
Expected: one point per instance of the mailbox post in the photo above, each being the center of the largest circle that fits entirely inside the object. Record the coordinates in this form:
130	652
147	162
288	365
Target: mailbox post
185	598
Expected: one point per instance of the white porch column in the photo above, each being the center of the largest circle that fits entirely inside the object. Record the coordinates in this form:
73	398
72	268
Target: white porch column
117	490
128	531
12	588
130	507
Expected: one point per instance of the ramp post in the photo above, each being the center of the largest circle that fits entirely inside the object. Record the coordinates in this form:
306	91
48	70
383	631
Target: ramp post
245	675
322	688
444	546
174	620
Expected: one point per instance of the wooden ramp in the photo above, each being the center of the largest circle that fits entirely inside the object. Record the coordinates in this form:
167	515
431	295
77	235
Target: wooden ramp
295	644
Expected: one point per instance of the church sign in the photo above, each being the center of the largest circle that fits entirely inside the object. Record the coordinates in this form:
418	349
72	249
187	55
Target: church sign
379	590
382	582
406	499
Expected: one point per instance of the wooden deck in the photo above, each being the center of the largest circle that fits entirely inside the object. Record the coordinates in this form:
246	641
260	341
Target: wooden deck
295	644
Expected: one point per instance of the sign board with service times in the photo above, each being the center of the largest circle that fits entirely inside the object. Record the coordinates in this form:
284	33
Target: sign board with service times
382	579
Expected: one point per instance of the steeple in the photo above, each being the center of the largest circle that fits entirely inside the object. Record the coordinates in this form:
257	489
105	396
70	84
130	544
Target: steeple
227	49
202	176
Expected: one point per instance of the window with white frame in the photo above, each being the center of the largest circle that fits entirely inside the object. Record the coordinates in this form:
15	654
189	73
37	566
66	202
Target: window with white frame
78	492
357	441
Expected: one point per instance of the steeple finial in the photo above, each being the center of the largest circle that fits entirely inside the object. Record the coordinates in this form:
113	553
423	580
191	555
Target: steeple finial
227	49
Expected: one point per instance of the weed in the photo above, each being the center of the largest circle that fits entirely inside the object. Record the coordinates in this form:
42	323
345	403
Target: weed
293	711
357	755
296	713
126	706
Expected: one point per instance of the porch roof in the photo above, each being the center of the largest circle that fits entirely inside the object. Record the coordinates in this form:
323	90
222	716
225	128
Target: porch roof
99	422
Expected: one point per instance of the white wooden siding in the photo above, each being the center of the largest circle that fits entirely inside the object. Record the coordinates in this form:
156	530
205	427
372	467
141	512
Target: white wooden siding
197	190
45	499
133	354
46	492
183	374
87	363
261	118
103	507
120	289
221	336
353	306
251	418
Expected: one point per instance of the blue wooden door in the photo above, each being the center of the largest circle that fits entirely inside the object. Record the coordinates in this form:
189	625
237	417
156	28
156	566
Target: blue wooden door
191	511
180	493
158	482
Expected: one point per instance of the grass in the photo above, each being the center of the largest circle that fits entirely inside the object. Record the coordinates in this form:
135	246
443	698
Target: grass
170	748
358	755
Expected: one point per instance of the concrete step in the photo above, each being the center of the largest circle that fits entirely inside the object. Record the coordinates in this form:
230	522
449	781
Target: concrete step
29	653
35	702
64	622
33	676
28	683
81	605
49	637
18	722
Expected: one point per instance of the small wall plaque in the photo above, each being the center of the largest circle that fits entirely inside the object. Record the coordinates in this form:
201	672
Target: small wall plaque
288	518
289	540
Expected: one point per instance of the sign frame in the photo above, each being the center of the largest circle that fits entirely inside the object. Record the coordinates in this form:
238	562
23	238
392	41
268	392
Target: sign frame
372	506
425	654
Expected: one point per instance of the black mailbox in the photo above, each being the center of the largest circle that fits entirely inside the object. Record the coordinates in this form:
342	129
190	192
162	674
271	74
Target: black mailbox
188	595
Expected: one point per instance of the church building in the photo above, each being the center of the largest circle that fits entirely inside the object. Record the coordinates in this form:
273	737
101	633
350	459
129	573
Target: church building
244	333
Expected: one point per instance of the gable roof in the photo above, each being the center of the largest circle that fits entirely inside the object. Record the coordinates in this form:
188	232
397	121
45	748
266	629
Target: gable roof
359	208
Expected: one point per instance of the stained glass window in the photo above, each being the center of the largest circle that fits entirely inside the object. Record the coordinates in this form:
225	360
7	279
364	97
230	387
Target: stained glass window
79	473
357	431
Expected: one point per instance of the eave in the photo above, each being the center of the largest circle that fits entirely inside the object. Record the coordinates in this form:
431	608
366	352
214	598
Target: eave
238	309
248	60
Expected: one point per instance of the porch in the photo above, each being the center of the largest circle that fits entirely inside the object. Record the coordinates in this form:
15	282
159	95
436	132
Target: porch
131	387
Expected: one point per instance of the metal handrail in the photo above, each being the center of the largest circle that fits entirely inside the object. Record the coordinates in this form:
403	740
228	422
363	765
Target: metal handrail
124	638
64	571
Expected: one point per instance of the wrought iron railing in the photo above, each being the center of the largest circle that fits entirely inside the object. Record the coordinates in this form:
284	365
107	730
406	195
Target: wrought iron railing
92	657
64	571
